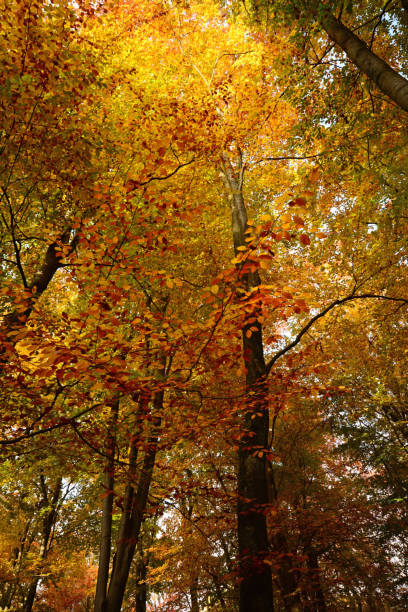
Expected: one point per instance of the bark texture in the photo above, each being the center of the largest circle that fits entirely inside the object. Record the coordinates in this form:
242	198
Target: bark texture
386	78
256	594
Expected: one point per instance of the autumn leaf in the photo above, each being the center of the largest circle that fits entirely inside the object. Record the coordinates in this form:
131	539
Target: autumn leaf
304	239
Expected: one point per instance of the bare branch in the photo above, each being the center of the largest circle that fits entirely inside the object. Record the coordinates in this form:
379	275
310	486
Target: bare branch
293	157
136	184
321	314
31	434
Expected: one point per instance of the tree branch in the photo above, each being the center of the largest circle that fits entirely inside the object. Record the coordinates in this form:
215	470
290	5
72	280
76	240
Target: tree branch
32	434
133	185
380	17
321	314
386	78
293	157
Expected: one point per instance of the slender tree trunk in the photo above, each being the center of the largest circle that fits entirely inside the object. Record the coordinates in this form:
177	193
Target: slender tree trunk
132	518
256	594
19	554
106	525
31	595
318	600
141	587
48	523
194	596
386	78
287	578
230	566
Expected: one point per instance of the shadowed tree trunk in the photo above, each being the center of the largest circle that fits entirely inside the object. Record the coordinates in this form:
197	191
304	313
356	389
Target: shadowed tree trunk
286	574
287	578
48	523
100	604
136	496
254	491
318	600
133	513
256	594
141	587
194	596
106	524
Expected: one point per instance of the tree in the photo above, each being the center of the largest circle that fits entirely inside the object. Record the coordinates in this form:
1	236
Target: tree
221	256
361	54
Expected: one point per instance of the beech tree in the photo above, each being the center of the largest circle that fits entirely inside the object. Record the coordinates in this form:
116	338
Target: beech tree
343	24
204	284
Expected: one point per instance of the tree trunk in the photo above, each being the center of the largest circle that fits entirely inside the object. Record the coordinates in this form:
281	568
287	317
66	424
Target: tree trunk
256	594
16	319
194	596
132	518
286	575
318	601
48	523
107	507
141	587
288	582
388	80
19	554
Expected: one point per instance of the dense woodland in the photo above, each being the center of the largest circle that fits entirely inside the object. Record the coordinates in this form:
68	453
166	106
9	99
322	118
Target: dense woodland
203	305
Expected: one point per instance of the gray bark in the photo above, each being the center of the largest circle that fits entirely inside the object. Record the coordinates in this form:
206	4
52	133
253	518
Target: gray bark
386	78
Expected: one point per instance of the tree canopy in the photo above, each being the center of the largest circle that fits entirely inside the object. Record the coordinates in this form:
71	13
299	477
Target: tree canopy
203	305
